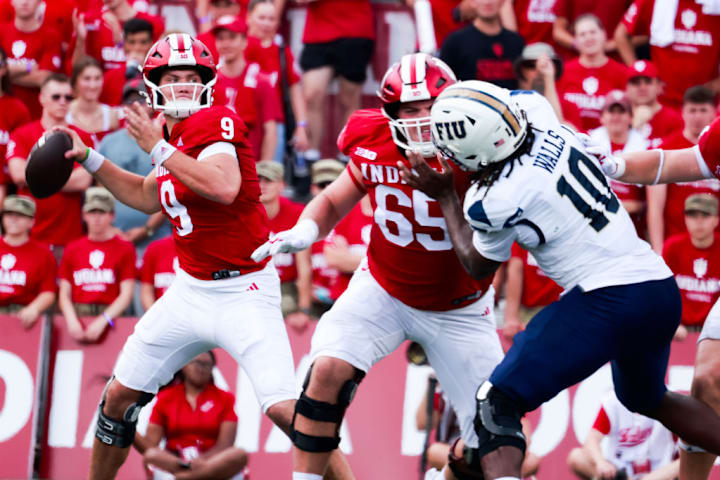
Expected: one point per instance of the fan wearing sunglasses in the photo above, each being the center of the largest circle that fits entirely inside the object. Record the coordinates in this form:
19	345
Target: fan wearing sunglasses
58	219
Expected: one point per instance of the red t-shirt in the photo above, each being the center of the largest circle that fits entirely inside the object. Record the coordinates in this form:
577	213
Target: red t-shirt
663	123
609	12
286	218
41	47
210	236
535	20
185	427
15	114
709	147
410	252
100	44
57	15
323	276
538	289
269	60
587	87
329	20
58	218
697	273
95	269
355	229
158	266
692	58
678	192
25	272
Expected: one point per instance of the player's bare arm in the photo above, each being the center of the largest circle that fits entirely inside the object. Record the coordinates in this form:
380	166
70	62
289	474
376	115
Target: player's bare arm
216	177
440	186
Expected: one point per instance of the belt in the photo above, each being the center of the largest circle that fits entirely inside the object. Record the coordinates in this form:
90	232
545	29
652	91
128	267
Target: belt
11	308
223	274
87	309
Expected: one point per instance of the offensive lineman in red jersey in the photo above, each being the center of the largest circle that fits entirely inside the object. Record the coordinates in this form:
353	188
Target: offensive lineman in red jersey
412	285
205	182
668	166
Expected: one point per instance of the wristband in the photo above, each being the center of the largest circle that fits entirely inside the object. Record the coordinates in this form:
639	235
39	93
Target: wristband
28	67
109	319
660	166
205	19
161	152
93	160
302	123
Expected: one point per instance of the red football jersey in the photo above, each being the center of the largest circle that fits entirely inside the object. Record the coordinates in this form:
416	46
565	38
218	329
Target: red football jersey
58	218
697	272
692	58
355	229
15	114
328	21
187	427
41	47
210	236
95	269
663	123
25	272
158	267
709	147
678	192
286	218
538	289
587	87
410	252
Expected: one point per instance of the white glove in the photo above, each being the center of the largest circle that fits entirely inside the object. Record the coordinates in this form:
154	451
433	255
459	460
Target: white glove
298	238
612	166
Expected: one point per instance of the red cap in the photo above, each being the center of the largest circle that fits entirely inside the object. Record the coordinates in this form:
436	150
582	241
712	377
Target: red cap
230	22
643	68
617	97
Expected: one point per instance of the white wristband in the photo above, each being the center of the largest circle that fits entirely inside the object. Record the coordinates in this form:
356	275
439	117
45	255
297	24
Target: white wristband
94	160
161	152
660	167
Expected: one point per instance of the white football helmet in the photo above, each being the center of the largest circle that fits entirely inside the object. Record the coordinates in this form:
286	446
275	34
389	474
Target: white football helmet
477	123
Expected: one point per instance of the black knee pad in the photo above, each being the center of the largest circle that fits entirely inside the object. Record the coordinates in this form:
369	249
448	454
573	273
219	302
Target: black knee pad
120	433
497	422
323	412
466	467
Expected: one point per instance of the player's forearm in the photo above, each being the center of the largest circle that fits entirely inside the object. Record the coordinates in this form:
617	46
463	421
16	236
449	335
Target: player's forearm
678	166
205	178
79	181
624	45
127	187
332	204
461	235
16	169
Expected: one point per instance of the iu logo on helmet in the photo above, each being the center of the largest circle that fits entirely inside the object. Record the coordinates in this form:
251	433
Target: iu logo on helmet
453	130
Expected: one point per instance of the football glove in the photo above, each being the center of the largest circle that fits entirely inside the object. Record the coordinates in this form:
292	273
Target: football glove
298	238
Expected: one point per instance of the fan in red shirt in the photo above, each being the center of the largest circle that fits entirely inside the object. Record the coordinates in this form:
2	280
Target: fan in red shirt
57	221
198	421
527	291
244	89
412	284
694	258
689	56
99	32
205	182
27	267
55	14
158	270
587	79
535	20
654	120
667	202
33	49
15	114
295	270
567	12
97	272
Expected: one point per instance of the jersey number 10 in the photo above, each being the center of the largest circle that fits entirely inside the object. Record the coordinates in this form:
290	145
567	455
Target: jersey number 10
597	218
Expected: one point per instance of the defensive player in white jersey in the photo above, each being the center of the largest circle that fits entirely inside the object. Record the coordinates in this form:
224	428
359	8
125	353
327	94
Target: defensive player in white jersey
412	285
535	184
204	180
658	166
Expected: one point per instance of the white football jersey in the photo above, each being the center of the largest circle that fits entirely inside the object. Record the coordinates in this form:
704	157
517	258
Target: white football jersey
556	203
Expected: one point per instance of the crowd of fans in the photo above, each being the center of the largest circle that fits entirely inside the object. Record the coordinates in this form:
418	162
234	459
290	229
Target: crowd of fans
629	79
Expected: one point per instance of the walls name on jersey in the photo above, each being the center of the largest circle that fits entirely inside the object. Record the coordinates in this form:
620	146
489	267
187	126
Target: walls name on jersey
380	173
549	152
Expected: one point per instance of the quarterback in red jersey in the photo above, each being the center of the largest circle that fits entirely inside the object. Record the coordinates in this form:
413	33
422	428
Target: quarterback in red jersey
698	162
205	182
412	285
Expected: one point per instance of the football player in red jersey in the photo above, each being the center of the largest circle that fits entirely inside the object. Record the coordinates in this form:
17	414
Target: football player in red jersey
684	165
411	286
205	182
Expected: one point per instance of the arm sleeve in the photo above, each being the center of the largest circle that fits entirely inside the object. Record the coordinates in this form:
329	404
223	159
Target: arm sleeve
602	422
217	148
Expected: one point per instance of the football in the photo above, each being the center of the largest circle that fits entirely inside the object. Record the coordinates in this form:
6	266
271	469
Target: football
47	169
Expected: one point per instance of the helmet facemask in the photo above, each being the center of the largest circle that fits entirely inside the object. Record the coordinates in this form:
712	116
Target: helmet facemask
413	134
163	98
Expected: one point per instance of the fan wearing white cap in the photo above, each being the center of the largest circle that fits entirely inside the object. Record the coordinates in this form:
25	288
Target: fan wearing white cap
535	184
